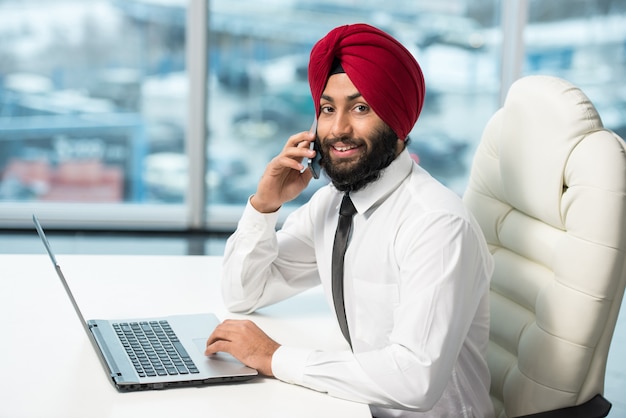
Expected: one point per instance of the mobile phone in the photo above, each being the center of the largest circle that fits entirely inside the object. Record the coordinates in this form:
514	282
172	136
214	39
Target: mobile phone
315	162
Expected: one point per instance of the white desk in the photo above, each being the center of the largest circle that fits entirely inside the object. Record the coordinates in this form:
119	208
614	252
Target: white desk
48	374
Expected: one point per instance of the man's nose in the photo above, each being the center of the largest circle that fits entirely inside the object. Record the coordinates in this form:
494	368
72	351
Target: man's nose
341	125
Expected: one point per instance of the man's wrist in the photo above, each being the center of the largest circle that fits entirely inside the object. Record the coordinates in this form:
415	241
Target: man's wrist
262	207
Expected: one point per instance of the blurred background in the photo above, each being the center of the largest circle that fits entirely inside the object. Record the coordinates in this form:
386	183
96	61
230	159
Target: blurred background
160	115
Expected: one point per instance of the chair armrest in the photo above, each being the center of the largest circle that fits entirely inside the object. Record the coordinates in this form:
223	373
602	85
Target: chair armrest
596	407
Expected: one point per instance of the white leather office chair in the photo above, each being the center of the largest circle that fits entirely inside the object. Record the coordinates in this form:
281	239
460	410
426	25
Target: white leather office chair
548	187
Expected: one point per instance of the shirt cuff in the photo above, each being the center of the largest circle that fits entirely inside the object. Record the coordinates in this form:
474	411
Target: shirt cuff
288	364
253	220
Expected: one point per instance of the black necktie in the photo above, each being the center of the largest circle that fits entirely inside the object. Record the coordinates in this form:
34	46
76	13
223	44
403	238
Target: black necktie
346	211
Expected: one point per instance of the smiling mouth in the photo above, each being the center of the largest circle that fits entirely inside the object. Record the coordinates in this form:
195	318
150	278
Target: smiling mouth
345	148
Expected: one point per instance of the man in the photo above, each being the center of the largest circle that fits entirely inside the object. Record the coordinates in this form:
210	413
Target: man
416	272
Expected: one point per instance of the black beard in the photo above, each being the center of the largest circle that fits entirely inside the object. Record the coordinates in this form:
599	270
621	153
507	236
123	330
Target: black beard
368	168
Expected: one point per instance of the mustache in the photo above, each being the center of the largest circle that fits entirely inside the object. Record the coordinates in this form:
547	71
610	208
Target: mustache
348	140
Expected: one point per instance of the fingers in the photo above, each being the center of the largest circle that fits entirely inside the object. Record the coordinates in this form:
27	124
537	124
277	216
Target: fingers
233	330
244	341
297	139
295	150
224	332
216	347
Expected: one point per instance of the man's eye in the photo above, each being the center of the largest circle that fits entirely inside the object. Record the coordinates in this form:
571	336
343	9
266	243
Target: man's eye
361	108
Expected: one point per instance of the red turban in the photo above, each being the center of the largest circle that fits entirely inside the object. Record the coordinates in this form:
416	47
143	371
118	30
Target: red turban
384	72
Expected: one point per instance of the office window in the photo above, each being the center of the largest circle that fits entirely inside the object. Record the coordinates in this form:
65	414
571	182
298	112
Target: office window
162	114
93	105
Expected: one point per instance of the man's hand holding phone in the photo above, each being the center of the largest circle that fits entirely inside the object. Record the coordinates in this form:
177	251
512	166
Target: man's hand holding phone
285	177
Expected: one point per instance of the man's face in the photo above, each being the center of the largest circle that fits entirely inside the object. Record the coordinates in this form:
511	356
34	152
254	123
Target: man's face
356	144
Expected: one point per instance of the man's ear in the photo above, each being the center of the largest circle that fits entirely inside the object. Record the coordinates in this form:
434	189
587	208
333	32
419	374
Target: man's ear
400	145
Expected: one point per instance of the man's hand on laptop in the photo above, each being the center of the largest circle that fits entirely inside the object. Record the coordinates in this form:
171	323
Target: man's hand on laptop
245	341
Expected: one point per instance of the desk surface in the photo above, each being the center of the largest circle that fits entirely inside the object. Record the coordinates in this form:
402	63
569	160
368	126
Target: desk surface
48	373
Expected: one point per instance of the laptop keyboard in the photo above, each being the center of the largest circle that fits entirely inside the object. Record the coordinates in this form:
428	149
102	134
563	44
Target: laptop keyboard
154	348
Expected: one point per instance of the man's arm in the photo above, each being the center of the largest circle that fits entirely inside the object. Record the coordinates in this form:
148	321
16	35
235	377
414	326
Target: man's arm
251	277
261	268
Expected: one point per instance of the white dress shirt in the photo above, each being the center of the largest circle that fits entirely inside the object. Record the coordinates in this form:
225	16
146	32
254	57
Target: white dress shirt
416	280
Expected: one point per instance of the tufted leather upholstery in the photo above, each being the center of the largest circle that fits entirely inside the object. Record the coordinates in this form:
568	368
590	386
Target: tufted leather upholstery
548	187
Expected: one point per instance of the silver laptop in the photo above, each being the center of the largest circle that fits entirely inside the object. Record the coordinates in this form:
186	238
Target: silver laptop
155	353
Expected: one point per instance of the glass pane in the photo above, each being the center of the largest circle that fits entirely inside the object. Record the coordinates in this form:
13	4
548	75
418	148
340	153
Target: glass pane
259	94
92	101
584	42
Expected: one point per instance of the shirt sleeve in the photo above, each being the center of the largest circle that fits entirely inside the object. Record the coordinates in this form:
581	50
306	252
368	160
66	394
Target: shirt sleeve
336	373
254	274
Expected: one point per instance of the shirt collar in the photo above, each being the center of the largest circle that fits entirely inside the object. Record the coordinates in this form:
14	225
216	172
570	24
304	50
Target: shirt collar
388	182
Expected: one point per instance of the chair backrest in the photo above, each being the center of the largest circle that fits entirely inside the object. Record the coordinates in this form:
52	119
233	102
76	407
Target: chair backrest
548	187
